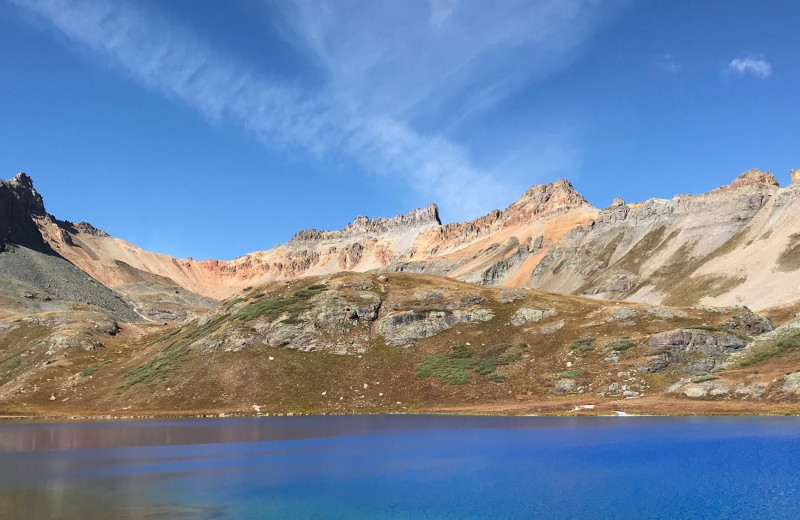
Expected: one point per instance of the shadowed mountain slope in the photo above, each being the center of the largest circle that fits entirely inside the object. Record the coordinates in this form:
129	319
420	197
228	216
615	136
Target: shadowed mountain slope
27	260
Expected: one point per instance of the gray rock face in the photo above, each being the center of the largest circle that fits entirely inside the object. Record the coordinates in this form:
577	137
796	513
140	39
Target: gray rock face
755	390
791	383
675	346
703	366
531	315
563	385
750	323
402	329
707	389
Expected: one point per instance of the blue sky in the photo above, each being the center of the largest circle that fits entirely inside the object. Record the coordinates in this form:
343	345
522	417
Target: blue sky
211	129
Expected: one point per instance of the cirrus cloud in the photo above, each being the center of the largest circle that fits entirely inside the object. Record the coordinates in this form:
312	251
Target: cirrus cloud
396	77
756	66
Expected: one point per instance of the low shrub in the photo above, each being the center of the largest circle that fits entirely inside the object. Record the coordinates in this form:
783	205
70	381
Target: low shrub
622	345
582	345
169	335
497	350
791	342
460	352
786	344
457	365
485	367
428	364
571	374
272	308
159	367
89	370
447	369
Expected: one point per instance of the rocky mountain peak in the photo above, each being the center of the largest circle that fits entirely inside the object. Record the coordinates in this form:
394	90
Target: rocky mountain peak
365	226
21	188
22	180
795	176
19	203
751	177
547	198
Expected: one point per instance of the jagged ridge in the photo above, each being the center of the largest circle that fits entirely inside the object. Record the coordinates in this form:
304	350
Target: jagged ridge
550	238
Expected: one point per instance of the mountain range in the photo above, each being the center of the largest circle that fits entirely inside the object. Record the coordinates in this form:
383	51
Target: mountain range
696	261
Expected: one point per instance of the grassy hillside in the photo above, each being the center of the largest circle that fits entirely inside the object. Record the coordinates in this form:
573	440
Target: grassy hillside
359	343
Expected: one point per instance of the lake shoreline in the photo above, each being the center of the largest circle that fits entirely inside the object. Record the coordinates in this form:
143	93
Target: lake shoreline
654	406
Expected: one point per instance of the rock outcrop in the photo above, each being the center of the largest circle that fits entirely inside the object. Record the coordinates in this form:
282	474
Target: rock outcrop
20	204
402	329
702	350
365	227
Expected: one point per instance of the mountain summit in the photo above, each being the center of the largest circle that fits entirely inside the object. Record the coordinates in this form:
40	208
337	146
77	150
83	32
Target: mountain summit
732	245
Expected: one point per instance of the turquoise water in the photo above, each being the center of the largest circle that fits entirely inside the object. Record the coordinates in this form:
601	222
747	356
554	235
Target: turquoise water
404	467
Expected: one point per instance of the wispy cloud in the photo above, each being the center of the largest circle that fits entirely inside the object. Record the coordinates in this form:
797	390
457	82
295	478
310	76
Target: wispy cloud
755	65
396	76
668	64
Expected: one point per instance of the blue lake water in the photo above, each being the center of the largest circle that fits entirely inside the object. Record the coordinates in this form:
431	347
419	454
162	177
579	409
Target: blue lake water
404	467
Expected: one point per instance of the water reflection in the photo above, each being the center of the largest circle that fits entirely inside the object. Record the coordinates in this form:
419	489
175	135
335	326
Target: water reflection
403	467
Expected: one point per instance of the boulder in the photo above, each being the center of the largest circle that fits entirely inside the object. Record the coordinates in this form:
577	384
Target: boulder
563	386
531	315
707	389
753	390
552	329
791	383
751	323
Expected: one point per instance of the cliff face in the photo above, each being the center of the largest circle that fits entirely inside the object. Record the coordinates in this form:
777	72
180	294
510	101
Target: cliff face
733	245
31	269
19	203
